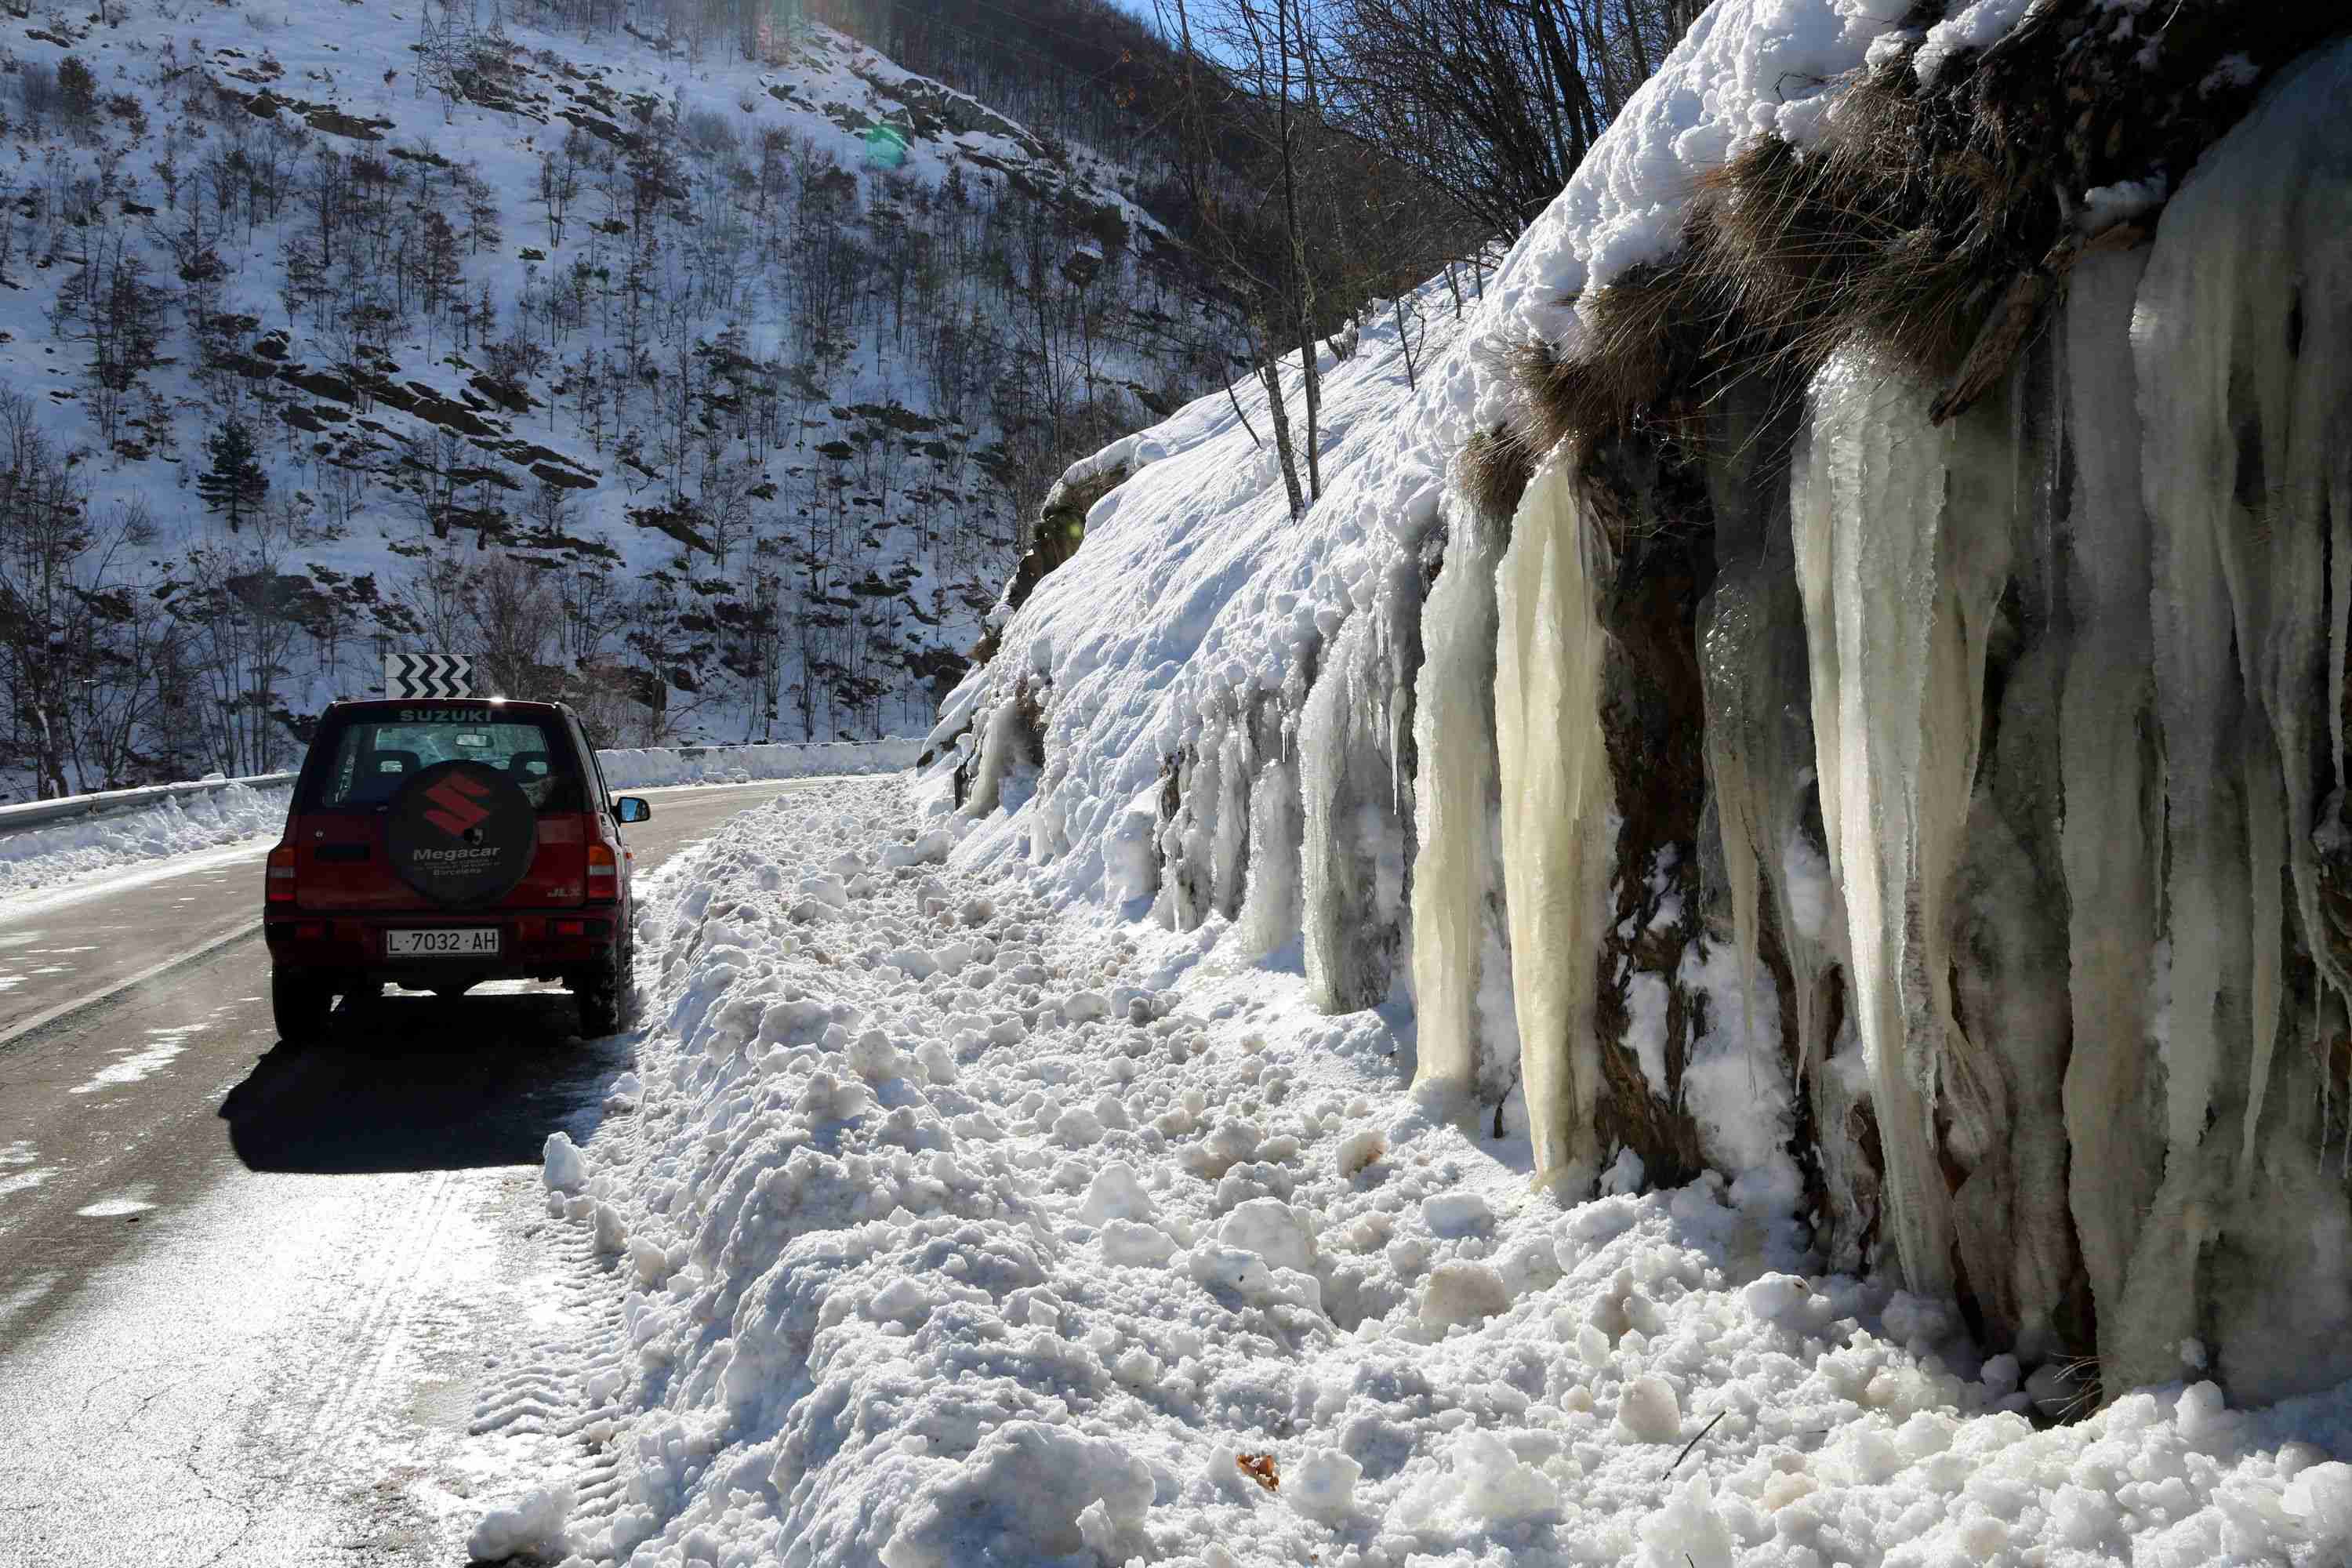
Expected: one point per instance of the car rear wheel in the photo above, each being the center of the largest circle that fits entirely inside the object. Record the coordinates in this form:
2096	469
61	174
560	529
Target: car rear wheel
299	1006
603	993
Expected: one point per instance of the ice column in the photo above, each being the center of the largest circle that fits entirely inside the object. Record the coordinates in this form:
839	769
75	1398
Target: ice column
1005	776
2242	347
2247	399
1867	497
1558	811
1354	853
2109	842
1457	873
1754	682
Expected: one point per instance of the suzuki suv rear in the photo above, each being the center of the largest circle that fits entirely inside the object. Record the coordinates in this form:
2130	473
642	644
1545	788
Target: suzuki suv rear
436	844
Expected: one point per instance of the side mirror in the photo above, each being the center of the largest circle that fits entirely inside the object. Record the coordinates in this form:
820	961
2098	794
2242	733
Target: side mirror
629	808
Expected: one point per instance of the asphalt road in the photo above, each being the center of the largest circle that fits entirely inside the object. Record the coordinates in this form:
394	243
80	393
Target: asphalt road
267	1306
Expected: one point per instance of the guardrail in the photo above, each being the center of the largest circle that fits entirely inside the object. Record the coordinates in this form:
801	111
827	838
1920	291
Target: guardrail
633	768
73	807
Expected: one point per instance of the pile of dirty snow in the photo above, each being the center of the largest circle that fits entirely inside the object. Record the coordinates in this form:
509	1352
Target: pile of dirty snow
36	858
955	1230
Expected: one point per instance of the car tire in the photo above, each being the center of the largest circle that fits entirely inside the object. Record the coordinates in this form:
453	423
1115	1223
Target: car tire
299	1006
605	995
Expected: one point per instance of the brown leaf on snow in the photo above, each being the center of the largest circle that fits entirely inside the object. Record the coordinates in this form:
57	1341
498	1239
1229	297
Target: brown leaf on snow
1259	1468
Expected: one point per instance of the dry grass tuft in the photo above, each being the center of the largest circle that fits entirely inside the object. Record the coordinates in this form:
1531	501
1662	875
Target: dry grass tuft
1495	468
1928	225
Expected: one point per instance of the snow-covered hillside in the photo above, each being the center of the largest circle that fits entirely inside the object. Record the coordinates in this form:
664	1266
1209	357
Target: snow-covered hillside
708	389
1795	698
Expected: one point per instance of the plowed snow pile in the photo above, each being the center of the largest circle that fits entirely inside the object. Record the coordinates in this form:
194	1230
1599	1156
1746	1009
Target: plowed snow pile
956	1230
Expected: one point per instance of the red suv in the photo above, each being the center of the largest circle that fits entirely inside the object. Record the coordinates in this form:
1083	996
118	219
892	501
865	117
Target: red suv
436	844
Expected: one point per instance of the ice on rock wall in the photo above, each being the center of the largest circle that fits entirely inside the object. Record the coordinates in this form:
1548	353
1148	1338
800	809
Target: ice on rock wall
1356	784
1270	919
1468	1033
2002	1076
1206	844
2021	751
1867	489
1558	808
2110	845
1753	662
2242	347
1005	776
1747	681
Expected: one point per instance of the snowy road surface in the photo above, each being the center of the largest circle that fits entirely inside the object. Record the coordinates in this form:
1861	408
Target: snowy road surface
262	1306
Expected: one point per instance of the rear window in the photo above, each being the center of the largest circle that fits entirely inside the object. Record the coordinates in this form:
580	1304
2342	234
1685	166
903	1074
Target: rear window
364	762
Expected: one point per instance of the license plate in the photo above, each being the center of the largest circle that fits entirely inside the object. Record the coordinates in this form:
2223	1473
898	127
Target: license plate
449	941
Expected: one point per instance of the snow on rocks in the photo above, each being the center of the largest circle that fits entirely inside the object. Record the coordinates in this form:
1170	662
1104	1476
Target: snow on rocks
879	1303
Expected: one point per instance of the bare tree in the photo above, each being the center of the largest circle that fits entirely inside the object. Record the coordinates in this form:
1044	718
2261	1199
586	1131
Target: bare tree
1496	101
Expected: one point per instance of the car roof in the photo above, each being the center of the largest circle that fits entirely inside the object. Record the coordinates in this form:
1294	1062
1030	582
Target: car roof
371	706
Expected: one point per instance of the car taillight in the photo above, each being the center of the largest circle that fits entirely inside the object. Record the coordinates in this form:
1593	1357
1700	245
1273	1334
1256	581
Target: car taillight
604	872
281	881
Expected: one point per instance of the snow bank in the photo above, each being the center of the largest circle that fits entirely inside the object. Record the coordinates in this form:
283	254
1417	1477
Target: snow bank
37	858
891	1297
653	766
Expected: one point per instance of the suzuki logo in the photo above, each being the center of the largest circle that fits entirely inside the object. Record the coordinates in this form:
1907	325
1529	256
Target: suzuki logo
456	809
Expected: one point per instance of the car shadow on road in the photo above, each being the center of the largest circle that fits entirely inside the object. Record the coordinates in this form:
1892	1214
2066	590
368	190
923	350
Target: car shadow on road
417	1083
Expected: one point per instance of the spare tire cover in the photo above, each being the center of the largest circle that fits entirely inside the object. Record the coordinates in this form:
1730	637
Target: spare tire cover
460	833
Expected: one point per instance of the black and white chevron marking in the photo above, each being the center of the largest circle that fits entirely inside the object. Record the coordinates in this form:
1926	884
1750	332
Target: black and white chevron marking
437	675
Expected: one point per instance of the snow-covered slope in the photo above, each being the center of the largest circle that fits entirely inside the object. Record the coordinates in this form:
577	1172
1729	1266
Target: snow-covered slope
751	360
1781	782
1182	638
1194	593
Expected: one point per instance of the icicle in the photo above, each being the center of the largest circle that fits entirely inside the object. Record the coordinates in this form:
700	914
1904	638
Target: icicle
2241	342
1187	839
1559	812
1752	664
2242	346
1005	771
1269	917
1229	842
1456	872
1355	853
1868	502
1332	879
2108	844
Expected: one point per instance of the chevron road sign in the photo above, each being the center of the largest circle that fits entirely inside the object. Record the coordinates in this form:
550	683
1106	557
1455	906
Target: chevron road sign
414	675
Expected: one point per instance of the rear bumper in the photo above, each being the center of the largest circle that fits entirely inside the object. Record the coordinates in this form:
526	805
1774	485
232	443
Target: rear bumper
533	943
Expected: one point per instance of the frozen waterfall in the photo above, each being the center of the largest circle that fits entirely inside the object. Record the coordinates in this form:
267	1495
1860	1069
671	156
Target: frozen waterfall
1468	1032
2242	347
1558	810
